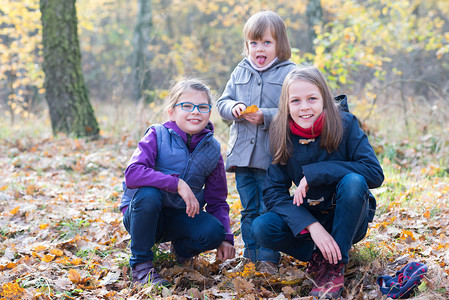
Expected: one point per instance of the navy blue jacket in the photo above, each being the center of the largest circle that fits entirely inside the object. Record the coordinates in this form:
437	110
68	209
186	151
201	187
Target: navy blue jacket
323	171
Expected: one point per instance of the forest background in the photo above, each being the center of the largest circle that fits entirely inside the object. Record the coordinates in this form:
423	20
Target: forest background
61	235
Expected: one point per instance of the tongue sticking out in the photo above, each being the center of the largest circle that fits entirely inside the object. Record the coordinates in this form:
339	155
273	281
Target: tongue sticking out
260	60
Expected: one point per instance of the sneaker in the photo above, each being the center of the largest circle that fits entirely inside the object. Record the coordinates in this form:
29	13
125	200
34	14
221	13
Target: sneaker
180	260
331	283
315	265
269	267
144	273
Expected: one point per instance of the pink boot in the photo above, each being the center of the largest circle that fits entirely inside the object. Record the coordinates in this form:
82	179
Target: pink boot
330	282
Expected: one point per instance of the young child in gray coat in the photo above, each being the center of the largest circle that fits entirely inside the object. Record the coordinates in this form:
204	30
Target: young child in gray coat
257	80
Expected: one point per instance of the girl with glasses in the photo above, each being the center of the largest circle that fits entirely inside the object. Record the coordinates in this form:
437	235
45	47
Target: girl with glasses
175	171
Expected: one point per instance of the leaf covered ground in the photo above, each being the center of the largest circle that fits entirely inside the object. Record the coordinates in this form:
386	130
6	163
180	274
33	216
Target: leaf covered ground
62	235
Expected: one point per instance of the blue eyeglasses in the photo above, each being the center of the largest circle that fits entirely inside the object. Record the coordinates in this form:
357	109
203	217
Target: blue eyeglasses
187	106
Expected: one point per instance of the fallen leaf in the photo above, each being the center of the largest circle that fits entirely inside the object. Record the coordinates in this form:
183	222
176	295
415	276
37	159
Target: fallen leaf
74	276
241	285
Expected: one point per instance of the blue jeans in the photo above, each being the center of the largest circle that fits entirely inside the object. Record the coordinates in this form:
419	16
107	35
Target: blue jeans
349	226
250	183
148	223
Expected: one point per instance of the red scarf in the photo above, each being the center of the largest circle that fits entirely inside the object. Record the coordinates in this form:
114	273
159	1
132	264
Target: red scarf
308	133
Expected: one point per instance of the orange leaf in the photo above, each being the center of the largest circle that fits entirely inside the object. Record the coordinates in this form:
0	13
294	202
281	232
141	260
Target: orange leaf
31	189
251	109
74	276
427	214
43	225
15	210
48	257
77	261
9	265
39	248
56	252
12	291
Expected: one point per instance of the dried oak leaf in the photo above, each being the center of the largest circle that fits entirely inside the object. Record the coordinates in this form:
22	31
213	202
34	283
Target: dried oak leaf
242	286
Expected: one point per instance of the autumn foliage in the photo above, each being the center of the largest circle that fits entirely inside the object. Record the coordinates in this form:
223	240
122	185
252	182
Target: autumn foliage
62	234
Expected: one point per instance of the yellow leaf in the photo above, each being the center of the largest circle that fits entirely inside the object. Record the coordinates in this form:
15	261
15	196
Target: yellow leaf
249	270
319	50
236	206
15	210
43	225
48	257
39	248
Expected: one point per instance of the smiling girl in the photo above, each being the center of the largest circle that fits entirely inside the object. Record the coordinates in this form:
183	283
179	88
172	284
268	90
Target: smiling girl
322	150
175	171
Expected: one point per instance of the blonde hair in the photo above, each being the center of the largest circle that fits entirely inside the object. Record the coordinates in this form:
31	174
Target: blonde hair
256	26
185	84
332	133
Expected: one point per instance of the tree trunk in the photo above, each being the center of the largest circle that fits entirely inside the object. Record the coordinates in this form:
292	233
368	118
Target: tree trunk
314	16
141	57
65	89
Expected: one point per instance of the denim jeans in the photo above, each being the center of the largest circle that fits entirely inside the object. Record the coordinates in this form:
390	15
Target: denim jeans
250	183
148	223
350	223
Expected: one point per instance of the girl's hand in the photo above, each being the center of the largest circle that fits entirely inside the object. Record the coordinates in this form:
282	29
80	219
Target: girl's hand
255	118
325	242
301	192
192	205
238	110
225	251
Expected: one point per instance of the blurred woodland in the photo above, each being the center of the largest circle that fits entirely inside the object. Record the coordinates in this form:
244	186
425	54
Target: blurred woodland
61	235
388	56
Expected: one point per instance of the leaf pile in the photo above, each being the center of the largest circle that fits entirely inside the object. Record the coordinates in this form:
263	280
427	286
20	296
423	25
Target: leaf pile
62	236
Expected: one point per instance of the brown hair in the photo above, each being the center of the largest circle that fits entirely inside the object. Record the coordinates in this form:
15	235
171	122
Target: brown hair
182	85
331	136
256	26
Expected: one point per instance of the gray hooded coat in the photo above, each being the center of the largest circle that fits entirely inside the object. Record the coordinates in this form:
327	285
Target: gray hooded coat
248	143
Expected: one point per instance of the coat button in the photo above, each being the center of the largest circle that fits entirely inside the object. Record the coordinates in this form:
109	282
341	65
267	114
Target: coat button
253	140
258	82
